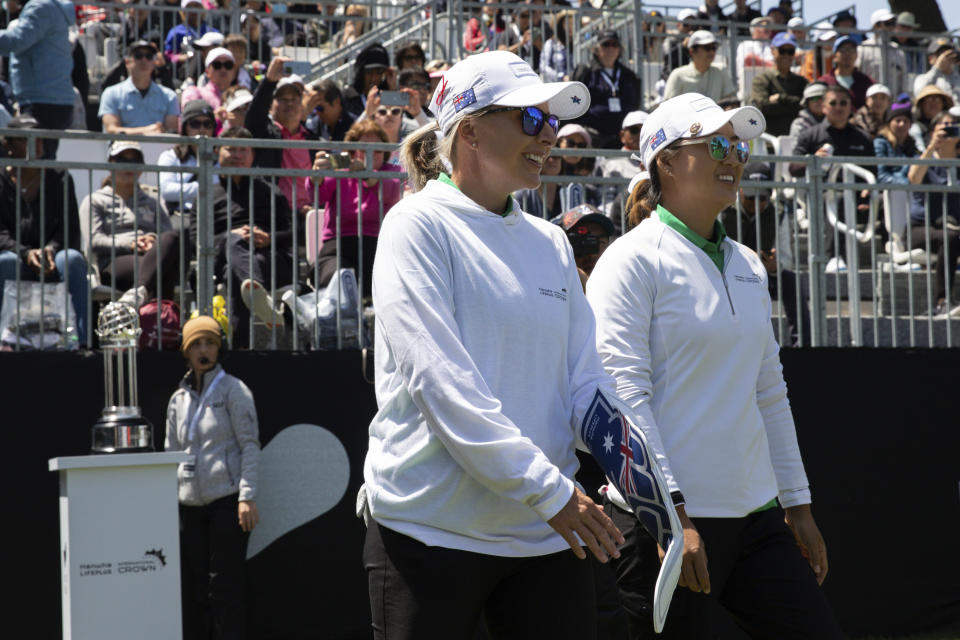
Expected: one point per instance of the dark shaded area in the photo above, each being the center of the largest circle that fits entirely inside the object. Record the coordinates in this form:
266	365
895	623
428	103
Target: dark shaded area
877	428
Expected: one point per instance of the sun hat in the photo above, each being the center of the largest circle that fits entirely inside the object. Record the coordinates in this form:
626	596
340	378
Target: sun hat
632	118
700	38
934	90
239	98
878	88
693	115
218	52
199	327
119	146
501	78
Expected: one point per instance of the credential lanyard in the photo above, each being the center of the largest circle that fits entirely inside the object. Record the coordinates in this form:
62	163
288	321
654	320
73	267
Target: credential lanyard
612	80
203	399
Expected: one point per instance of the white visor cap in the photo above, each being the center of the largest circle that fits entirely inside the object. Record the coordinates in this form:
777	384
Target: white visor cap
693	115
504	79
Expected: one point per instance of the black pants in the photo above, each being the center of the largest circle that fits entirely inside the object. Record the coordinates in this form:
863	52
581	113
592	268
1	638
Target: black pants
349	259
419	592
165	252
50	116
943	279
756	573
792	311
213	552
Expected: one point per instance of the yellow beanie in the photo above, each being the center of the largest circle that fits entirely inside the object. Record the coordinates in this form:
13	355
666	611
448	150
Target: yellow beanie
201	326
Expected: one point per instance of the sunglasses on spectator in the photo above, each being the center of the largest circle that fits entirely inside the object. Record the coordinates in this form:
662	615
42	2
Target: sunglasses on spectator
533	119
226	64
383	111
838	103
787	51
610	44
720	147
634	130
133	158
706	47
197	123
143	54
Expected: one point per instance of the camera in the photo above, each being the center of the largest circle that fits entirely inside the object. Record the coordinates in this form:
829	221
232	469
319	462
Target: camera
584	244
952	131
340	160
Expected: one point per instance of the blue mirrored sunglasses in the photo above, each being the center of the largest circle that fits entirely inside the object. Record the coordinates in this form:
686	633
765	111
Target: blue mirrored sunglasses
533	119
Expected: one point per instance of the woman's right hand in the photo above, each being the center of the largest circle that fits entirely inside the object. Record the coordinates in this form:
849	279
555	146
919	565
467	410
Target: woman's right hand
275	70
321	161
693	573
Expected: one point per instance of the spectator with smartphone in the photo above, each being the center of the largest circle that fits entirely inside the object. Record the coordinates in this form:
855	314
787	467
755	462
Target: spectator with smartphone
371	71
277	113
943	58
361	207
40	223
415	81
931	101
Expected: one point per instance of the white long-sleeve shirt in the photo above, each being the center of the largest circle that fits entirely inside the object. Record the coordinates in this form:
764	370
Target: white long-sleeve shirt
485	366
693	354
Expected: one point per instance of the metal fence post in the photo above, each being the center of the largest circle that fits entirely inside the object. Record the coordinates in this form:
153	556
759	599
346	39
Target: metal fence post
816	259
204	224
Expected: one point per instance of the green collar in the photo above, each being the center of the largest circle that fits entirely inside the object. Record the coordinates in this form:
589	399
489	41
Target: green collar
713	248
511	203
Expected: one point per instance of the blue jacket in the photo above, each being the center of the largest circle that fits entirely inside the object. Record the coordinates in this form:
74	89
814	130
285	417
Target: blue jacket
40	53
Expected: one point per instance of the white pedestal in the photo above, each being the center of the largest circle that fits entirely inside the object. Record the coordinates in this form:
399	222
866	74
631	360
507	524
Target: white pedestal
120	546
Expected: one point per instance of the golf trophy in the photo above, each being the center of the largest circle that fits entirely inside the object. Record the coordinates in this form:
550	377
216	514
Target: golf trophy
121	428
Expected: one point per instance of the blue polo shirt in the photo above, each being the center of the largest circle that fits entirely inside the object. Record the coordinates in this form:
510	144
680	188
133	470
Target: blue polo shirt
135	109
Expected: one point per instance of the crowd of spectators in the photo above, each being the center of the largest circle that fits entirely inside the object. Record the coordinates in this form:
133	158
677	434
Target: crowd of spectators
188	71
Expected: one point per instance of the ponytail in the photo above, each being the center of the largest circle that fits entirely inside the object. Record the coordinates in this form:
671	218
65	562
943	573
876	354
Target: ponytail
423	156
639	206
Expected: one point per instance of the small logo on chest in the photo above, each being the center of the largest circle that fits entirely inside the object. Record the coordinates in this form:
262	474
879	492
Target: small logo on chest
552	293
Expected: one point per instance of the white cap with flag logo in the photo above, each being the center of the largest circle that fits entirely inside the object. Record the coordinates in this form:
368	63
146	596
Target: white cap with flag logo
693	115
504	79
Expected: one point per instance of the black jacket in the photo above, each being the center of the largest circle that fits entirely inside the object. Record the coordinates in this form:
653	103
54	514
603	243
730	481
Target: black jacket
599	117
849	141
235	209
59	231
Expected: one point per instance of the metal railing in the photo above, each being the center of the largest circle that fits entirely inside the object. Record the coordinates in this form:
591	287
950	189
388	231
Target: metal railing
885	297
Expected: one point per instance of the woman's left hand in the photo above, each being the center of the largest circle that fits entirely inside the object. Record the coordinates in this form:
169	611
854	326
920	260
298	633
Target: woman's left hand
247	515
807	534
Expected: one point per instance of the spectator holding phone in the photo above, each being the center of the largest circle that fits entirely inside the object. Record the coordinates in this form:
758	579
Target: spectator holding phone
371	73
943	57
372	197
330	119
277	113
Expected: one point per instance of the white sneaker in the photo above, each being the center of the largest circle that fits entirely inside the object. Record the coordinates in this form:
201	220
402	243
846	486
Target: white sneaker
259	301
835	265
134	297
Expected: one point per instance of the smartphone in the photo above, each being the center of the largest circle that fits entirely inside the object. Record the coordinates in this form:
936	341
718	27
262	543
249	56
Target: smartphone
952	131
302	69
340	160
395	98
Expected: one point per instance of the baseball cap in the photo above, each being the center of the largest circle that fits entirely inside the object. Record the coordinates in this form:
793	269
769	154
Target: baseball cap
843	15
882	15
502	78
701	37
209	39
686	14
186	3
196	108
693	115
757	171
907	19
878	88
119	146
292	80
939	44
829	34
632	118
239	98
584	213
783	38
795	23
608	34
218	52
813	90
23	121
140	44
760	21
842	40
637	179
572	130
